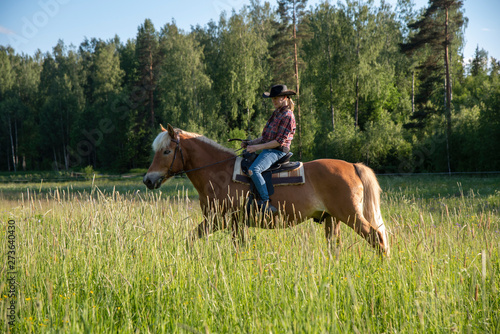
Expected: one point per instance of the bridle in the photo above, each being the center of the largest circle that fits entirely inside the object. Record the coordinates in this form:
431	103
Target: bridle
178	148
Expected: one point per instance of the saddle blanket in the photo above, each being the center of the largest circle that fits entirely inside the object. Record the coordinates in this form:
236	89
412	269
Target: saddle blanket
287	178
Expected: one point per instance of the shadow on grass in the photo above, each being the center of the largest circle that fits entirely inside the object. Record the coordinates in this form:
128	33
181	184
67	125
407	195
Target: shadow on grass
131	186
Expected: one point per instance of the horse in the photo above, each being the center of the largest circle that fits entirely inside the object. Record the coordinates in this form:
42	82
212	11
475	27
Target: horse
335	190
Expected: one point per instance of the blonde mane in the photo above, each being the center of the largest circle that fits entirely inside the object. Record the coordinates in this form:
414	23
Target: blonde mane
163	140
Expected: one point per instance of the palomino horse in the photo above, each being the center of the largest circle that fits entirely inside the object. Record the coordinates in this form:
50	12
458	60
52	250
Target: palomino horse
335	191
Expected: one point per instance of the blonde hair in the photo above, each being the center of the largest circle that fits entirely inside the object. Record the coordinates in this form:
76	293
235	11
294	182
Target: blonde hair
291	104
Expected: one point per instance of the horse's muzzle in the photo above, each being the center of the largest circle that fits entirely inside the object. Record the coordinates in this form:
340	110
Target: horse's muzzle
153	180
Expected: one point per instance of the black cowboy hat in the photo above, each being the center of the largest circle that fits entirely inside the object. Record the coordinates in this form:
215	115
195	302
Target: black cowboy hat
279	90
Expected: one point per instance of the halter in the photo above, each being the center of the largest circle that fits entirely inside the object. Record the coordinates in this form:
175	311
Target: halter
178	148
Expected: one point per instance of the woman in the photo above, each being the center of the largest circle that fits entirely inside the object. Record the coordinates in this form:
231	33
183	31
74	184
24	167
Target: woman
275	141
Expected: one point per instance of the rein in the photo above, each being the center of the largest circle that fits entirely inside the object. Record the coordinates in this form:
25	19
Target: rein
178	148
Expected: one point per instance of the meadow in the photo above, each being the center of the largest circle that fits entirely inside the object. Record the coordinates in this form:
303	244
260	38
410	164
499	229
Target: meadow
101	256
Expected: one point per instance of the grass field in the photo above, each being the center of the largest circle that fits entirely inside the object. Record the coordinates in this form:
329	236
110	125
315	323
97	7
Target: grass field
109	256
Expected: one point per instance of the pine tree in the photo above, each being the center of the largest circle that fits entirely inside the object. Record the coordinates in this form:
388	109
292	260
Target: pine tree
146	54
291	13
479	64
142	102
440	23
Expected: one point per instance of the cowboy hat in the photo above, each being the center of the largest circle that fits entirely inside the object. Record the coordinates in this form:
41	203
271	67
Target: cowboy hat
278	90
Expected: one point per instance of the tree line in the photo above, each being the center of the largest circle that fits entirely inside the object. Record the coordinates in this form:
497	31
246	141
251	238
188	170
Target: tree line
384	85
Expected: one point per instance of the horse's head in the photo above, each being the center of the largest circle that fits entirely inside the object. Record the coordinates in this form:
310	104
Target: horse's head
168	159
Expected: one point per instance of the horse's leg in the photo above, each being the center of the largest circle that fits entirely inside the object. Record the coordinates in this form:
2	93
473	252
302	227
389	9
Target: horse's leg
336	232
211	222
203	229
362	227
239	229
332	228
209	225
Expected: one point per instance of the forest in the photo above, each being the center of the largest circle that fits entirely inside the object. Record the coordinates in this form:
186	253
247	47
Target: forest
379	84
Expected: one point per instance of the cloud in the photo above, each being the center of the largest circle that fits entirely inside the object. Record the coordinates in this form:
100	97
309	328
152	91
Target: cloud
486	29
6	31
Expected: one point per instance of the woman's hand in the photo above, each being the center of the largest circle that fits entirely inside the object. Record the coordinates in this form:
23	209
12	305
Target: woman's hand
253	148
268	145
247	143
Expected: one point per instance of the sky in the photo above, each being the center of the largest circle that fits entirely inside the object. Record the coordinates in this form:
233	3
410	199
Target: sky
28	25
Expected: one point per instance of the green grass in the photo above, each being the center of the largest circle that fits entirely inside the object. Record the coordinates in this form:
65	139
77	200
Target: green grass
106	258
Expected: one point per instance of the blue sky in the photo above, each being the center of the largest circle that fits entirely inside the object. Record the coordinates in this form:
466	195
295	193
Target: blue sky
28	25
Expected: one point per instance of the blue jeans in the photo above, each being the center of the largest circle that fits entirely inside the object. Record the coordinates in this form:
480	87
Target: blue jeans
263	162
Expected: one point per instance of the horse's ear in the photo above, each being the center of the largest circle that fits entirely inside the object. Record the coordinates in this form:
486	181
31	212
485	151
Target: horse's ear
171	131
162	128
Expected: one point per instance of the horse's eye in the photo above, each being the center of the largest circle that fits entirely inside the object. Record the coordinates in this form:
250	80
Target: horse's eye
166	152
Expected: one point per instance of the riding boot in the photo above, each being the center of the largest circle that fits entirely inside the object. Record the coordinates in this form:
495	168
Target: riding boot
267	207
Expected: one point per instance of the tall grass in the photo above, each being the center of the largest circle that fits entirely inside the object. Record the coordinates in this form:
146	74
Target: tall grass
110	261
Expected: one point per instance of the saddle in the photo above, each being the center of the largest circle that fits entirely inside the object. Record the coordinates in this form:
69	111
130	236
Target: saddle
281	165
285	172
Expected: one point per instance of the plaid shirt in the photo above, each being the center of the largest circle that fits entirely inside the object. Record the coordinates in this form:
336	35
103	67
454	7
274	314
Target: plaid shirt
280	127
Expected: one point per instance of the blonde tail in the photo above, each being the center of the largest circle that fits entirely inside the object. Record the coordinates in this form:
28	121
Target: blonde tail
371	202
